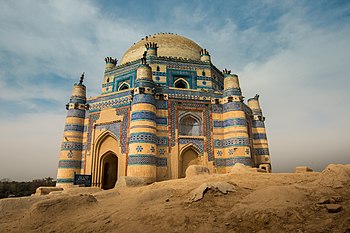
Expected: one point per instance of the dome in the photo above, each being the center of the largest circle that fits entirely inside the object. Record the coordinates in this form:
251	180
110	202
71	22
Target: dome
170	45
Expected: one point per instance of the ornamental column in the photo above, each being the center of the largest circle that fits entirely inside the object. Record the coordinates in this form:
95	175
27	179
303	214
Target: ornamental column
236	146
143	127
72	141
261	147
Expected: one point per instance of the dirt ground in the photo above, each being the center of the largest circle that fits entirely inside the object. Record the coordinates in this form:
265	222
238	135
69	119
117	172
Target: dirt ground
235	202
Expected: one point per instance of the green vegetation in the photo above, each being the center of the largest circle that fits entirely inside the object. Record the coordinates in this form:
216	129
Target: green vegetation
10	188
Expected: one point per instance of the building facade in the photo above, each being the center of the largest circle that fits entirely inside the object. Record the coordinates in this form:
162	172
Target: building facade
164	108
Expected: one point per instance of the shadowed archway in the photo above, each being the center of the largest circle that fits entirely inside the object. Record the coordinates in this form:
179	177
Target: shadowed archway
188	157
109	168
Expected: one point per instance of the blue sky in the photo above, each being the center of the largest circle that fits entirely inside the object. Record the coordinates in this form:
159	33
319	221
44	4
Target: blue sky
295	54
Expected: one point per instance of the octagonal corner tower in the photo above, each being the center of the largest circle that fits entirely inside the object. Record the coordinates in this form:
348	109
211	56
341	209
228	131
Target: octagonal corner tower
164	108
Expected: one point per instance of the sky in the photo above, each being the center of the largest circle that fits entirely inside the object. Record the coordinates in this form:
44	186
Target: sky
295	54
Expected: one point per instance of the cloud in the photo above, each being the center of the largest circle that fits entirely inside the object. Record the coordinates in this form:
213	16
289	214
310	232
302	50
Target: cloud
294	54
30	146
303	91
55	39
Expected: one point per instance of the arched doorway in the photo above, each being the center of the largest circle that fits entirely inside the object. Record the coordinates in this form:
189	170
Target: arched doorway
188	157
109	168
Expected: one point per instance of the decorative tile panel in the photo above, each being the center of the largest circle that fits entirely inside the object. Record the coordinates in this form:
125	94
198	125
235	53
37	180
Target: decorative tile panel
229	162
231	142
258	124
144	115
144	98
112	127
71	146
76	113
141	159
69	164
162	121
233	106
65	180
258	136
198	142
261	151
230	122
161	162
143	138
162	104
125	126
74	127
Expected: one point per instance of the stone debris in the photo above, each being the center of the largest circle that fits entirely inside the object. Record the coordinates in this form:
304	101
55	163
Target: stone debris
46	190
199	192
128	181
335	176
196	170
242	169
333	208
330	200
303	169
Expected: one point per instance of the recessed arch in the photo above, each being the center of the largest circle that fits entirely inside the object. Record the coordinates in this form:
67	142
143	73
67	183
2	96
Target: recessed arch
107	150
188	156
181	83
190	124
109	170
190	146
123	86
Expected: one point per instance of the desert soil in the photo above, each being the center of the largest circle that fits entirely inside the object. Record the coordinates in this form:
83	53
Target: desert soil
235	202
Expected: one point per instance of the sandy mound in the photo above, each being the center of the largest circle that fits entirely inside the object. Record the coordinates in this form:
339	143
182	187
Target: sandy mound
235	202
46	212
335	176
196	170
273	197
222	187
241	168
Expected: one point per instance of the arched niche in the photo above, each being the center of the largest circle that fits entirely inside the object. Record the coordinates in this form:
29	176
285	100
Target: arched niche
109	170
190	124
189	155
123	86
181	83
107	150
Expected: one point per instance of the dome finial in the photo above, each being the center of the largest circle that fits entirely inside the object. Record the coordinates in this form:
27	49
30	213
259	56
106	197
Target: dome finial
143	59
81	78
226	71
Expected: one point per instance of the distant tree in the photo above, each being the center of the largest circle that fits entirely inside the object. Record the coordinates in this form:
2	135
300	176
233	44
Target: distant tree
10	188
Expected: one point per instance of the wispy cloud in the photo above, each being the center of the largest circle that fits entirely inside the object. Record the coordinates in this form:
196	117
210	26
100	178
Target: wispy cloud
295	54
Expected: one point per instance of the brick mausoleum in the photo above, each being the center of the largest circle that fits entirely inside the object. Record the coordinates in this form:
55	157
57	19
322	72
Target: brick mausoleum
165	107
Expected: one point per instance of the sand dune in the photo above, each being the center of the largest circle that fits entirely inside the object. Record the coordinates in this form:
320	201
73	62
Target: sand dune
237	202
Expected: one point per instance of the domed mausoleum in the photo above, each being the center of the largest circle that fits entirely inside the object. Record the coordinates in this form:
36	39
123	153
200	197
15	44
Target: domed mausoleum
164	108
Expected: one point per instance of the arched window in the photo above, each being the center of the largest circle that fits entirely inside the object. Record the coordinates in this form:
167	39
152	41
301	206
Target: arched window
124	86
107	80
190	125
181	83
158	69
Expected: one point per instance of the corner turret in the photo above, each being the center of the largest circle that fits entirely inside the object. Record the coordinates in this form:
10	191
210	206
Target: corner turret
110	63
230	80
205	56
261	148
143	126
72	142
151	49
144	74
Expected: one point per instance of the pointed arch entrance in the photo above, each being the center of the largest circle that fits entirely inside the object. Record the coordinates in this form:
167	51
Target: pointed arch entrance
109	168
188	157
108	163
